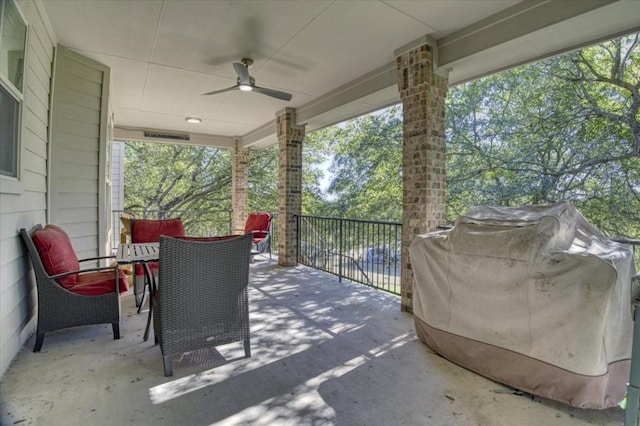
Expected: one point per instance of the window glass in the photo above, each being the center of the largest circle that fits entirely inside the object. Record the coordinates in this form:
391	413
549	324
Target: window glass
14	34
9	113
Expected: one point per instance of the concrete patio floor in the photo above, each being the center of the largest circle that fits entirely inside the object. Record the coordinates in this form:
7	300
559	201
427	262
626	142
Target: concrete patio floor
323	353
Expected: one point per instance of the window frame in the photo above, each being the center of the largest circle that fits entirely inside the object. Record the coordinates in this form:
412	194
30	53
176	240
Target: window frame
14	184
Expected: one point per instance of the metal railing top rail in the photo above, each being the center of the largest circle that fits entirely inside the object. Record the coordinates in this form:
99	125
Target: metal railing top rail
365	221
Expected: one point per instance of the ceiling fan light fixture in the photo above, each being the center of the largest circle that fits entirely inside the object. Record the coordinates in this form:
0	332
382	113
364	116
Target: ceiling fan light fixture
245	87
193	120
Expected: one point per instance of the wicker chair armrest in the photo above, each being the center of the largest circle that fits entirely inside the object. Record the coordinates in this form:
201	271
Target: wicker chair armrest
96	258
80	271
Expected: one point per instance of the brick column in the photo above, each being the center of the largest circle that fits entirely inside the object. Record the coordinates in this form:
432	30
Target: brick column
290	139
239	187
423	96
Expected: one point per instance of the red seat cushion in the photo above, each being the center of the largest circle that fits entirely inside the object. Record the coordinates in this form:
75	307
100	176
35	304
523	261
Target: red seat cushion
57	254
100	282
149	231
260	221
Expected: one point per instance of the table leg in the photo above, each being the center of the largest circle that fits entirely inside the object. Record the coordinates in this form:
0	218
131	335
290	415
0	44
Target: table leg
151	281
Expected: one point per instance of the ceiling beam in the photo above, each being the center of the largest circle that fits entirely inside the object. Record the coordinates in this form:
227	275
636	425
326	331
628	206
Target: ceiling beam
355	90
510	24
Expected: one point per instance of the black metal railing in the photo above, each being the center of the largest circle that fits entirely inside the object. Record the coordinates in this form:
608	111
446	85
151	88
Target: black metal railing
363	251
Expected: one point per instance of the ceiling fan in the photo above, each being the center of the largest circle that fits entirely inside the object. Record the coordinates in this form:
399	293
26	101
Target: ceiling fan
246	83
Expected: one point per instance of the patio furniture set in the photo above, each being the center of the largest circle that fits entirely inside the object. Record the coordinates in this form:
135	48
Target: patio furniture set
197	286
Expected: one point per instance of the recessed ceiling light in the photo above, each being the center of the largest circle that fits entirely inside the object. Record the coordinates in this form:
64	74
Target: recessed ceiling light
194	120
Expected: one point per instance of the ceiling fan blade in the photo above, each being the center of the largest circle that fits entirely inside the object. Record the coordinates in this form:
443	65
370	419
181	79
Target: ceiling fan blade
273	93
222	90
243	73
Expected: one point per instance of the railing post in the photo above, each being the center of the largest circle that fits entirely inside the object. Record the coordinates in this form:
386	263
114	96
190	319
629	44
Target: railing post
340	247
297	238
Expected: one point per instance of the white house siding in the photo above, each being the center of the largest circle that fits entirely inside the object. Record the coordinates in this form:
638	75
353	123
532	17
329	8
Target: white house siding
78	145
25	206
117	176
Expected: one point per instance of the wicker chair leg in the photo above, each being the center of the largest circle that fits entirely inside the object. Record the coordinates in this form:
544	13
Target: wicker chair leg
168	366
247	349
116	330
39	341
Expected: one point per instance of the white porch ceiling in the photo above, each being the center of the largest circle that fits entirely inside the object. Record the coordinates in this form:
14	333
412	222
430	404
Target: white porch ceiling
335	57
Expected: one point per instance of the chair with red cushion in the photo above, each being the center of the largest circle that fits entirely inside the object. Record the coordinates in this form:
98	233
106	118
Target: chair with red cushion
149	231
259	224
69	296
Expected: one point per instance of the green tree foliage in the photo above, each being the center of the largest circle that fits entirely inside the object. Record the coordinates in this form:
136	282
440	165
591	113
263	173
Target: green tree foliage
366	164
263	180
179	181
561	129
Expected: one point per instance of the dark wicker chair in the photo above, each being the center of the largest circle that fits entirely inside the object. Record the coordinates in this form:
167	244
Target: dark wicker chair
59	307
202	299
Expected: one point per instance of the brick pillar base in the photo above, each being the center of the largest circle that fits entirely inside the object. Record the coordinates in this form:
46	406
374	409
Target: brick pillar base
423	95
290	139
239	188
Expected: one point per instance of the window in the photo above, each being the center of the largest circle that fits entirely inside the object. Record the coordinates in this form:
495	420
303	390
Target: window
13	35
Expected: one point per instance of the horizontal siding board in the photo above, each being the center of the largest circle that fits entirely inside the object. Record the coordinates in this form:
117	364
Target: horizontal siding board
34	182
75	200
79	229
79	214
10	223
77	113
75	85
72	127
76	171
35	107
35	144
83	72
14	320
34	163
74	185
8	263
39	78
26	208
39	89
40	63
76	142
78	156
79	98
35	124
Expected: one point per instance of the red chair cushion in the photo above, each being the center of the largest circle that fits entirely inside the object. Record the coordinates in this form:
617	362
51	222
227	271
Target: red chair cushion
149	231
57	254
100	282
260	221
